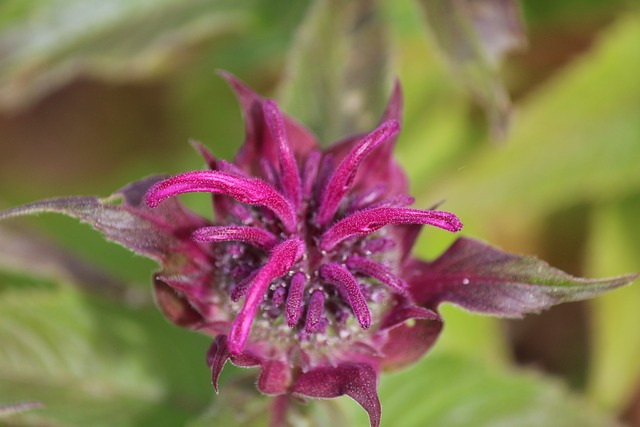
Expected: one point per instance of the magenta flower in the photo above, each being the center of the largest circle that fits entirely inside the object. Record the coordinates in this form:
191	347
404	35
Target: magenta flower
307	271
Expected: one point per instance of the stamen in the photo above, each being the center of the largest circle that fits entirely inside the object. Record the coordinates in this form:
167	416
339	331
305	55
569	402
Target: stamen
367	221
294	299
246	190
258	237
281	259
339	276
344	175
288	166
314	312
377	271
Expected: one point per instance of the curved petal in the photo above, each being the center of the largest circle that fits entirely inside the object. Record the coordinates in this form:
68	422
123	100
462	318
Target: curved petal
380	166
343	176
357	380
246	190
369	220
259	144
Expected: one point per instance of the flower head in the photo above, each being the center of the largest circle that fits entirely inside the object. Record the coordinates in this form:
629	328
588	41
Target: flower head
306	271
307	255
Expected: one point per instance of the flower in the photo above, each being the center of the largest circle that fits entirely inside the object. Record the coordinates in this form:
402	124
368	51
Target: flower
306	271
306	257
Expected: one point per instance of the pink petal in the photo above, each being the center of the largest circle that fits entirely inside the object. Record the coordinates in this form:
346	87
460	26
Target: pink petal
344	175
315	309
259	143
258	237
310	173
246	190
281	259
367	221
288	166
377	271
294	298
341	277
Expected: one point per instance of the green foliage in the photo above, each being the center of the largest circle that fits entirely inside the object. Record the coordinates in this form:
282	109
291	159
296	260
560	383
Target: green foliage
94	362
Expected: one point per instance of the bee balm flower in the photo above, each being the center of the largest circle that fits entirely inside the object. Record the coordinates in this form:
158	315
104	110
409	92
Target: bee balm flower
307	255
306	271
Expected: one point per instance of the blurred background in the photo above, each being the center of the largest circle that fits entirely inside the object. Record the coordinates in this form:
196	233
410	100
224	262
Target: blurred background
96	94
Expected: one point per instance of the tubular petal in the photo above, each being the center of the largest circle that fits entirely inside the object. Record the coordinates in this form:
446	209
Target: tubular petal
368	197
246	190
281	259
310	172
345	173
341	277
314	312
288	166
370	220
243	286
294	298
258	237
377	271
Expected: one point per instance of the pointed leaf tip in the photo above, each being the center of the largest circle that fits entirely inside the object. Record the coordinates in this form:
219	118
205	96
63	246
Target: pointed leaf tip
482	278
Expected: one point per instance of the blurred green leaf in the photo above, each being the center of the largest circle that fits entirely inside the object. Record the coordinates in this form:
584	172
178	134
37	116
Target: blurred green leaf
447	390
45	43
336	81
474	36
576	140
92	362
15	408
614	246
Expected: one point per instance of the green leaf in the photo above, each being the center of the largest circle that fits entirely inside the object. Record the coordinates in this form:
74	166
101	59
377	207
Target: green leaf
474	37
92	362
575	140
614	245
15	408
336	78
448	390
46	43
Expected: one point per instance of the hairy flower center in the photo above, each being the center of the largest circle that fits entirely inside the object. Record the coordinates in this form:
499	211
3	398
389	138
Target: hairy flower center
325	295
300	254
